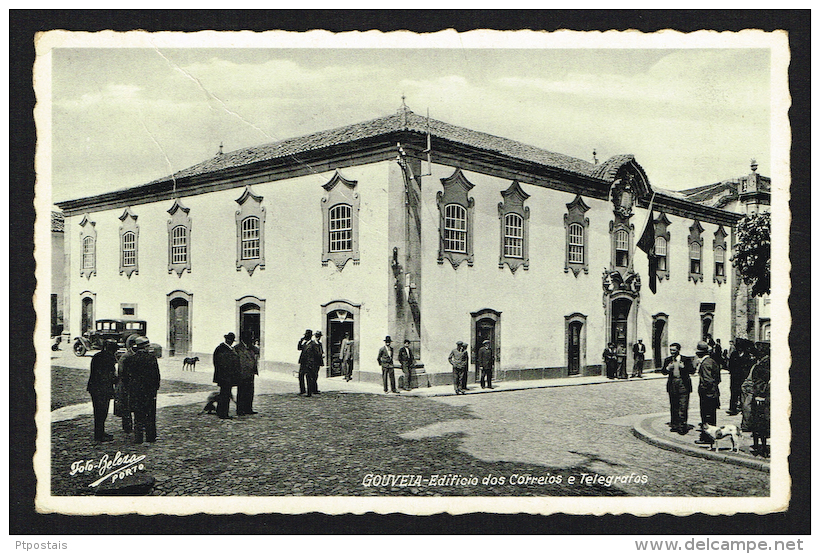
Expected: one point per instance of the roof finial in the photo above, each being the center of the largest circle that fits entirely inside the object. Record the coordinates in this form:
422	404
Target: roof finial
754	165
594	156
220	150
404	109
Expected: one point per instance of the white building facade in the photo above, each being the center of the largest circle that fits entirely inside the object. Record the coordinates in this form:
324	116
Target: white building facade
353	231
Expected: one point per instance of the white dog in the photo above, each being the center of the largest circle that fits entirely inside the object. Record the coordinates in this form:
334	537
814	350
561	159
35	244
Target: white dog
722	432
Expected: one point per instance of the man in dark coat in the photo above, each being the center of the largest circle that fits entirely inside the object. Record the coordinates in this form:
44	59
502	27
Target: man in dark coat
101	387
317	361
484	363
385	360
226	374
740	362
141	377
639	355
708	390
460	360
407	361
122	407
303	371
610	357
248	369
679	386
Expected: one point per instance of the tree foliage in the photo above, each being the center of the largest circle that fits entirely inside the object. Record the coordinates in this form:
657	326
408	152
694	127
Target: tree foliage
753	252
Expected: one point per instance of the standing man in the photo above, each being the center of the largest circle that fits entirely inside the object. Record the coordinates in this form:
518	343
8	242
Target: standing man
385	360
611	361
460	360
639	353
317	360
141	376
248	369
226	374
740	362
484	362
347	357
122	407
303	371
407	361
679	387
101	387
708	391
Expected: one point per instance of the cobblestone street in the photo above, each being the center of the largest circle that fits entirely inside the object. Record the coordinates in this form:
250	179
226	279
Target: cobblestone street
328	444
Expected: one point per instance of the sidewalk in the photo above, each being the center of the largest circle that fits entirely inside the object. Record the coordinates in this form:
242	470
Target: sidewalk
651	428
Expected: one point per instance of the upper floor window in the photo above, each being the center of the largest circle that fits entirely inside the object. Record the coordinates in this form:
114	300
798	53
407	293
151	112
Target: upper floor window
88	240
622	248
250	232
179	239
695	242
456	220
719	249
455	229
250	238
514	219
661	253
129	243
340	222
576	225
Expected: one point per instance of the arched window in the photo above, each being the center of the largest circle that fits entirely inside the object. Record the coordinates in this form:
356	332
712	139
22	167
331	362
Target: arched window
129	249
250	238
621	248
694	258
720	262
660	253
455	229
179	245
695	242
514	236
576	243
341	228
88	253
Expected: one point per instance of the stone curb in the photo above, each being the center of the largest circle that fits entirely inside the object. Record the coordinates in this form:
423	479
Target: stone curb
643	430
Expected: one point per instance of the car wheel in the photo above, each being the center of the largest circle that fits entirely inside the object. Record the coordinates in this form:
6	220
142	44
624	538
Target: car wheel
79	349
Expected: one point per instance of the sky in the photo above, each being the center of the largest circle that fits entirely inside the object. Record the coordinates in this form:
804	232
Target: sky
122	117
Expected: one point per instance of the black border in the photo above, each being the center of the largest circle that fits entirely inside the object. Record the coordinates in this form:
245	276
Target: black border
23	24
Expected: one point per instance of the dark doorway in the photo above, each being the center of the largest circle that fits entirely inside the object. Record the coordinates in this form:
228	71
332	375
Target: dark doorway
658	331
574	358
250	322
484	330
179	337
339	323
87	317
620	315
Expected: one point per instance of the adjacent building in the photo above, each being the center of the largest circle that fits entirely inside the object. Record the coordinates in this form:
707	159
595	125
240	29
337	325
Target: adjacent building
414	228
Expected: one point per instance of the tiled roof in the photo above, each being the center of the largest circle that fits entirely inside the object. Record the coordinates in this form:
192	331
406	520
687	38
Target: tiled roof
57	222
404	120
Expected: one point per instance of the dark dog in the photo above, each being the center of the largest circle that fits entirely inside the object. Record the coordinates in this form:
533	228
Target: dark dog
210	404
189	364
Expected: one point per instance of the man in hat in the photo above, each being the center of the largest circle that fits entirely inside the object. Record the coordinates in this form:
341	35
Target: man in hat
740	363
346	355
385	360
639	355
610	357
303	371
460	360
226	374
708	391
407	361
101	387
484	363
248	370
141	377
679	386
316	359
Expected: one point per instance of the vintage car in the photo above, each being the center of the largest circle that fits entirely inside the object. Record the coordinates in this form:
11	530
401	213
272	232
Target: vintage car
121	331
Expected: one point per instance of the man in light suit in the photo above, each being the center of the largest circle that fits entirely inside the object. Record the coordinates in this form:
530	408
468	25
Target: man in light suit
346	355
385	360
679	386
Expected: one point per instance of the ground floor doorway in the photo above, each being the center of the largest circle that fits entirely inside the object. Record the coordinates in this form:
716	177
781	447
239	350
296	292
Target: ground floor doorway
339	327
87	315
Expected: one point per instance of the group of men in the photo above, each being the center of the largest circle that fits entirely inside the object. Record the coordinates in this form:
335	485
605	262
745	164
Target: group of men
134	389
311	358
385	360
236	366
749	384
460	360
615	360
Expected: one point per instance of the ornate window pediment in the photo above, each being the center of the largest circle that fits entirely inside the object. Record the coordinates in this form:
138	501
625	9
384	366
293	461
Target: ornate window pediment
129	244
179	239
719	250
250	232
576	225
695	242
456	214
662	242
88	247
340	222
514	220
